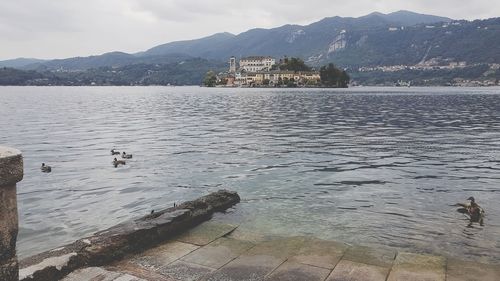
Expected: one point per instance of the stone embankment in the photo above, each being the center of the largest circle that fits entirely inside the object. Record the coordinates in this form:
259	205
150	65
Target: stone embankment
221	252
11	172
126	238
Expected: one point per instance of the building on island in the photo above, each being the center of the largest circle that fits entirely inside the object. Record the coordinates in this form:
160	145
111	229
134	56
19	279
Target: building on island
232	65
276	78
256	63
258	71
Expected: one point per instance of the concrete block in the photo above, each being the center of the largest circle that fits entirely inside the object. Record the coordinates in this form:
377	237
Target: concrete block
138	271
185	271
320	253
246	268
373	256
471	271
292	271
353	271
162	255
101	274
219	252
280	248
416	267
92	273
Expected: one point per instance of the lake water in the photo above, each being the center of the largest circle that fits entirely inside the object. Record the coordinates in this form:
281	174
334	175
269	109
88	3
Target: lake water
366	166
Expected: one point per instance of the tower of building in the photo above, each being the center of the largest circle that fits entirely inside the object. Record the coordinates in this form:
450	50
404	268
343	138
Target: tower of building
232	65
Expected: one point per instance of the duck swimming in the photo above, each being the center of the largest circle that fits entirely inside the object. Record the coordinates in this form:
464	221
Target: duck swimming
45	168
117	162
126	156
471	208
113	152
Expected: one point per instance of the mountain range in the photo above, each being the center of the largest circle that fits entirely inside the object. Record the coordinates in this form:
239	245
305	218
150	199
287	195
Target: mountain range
311	42
291	40
399	38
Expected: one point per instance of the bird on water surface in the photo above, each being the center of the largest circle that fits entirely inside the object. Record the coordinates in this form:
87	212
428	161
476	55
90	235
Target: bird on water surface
117	162
113	152
471	208
126	156
45	168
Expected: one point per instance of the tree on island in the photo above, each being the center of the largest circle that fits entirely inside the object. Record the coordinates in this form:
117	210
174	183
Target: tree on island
331	76
291	64
280	81
210	79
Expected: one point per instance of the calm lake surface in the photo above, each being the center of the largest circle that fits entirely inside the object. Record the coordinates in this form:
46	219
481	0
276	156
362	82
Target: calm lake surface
365	166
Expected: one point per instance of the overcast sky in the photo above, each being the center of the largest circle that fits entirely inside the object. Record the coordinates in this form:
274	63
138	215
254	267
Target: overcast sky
66	28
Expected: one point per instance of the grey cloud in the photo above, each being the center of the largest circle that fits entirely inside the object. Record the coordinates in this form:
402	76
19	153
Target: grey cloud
36	16
51	28
175	10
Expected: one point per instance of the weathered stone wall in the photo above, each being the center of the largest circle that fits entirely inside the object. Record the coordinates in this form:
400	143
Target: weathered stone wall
129	237
11	172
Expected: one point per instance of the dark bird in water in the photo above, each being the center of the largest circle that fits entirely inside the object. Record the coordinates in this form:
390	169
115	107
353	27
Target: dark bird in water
126	156
473	210
45	168
152	212
117	162
113	152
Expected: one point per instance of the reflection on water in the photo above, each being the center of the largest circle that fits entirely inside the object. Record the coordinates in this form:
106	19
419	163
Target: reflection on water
367	166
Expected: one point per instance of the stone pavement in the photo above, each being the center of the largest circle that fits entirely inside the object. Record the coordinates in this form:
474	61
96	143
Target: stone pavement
220	252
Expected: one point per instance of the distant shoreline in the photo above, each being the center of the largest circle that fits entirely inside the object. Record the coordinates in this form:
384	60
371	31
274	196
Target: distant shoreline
284	88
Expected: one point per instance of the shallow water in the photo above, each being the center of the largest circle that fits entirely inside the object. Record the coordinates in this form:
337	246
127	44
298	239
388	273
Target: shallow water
365	165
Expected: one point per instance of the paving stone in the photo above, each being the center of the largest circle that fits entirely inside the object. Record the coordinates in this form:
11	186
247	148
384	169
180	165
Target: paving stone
281	248
127	277
219	252
101	274
292	258
415	267
470	271
353	271
292	271
139	271
320	253
185	271
205	233
90	273
246	268
162	255
373	256
259	261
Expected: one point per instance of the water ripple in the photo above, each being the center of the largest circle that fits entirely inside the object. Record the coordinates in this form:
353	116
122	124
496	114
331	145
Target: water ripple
363	165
